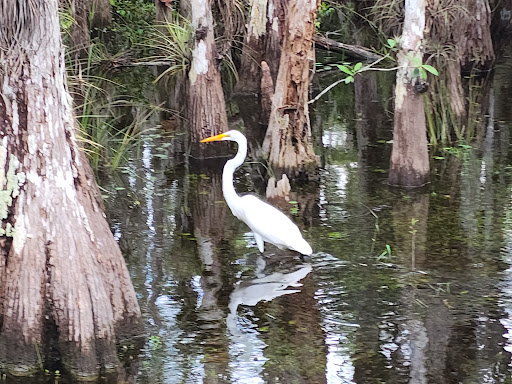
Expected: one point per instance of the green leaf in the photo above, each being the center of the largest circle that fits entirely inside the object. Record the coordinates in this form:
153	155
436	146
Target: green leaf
343	68
416	72
357	67
349	79
391	43
423	74
415	60
431	69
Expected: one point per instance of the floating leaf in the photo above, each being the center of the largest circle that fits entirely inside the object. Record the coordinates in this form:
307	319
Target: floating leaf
335	235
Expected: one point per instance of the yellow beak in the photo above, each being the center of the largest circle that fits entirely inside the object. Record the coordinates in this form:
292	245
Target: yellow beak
214	138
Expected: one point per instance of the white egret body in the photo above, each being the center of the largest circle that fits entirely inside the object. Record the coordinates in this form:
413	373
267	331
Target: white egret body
266	222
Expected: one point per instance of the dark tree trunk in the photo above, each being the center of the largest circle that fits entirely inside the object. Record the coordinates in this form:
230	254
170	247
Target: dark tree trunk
60	266
87	14
206	106
253	51
288	142
262	42
80	37
409	165
100	13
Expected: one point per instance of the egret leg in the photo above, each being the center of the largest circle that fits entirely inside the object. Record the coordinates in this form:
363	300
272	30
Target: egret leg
259	242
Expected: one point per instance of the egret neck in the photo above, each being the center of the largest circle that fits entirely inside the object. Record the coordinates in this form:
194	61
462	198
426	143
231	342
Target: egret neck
228	188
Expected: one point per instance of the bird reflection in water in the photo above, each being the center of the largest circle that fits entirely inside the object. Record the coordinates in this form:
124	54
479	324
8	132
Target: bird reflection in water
271	281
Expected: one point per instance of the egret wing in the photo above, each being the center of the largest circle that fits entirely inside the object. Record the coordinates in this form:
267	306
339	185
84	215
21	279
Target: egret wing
270	223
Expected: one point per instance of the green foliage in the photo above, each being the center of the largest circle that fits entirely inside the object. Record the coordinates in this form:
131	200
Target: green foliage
155	342
111	122
66	19
386	254
131	23
460	150
295	209
421	69
324	11
172	43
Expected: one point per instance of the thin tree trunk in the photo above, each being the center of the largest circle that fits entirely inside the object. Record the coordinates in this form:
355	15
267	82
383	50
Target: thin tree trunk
409	158
288	142
60	267
80	36
206	106
253	51
276	30
100	13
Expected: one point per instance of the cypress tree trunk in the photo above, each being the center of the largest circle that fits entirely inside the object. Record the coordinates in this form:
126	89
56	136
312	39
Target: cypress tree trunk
254	48
60	267
409	165
288	142
206	106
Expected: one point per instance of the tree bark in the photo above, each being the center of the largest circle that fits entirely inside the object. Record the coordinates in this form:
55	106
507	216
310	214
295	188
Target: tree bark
409	157
288	142
100	13
80	37
355	51
253	51
206	106
60	267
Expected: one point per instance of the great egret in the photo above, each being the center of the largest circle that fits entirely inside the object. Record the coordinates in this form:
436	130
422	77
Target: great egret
266	222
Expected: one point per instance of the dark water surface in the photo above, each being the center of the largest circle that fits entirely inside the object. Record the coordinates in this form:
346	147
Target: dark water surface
403	287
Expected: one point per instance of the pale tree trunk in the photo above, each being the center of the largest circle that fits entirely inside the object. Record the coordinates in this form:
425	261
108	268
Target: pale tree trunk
60	267
288	142
206	106
409	157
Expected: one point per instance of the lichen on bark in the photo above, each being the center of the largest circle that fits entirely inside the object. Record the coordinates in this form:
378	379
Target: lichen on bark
10	182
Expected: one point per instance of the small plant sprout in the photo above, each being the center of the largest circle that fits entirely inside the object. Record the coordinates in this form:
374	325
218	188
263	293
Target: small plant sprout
294	210
385	254
420	69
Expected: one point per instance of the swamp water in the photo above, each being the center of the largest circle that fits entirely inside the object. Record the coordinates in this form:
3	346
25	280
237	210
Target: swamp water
403	286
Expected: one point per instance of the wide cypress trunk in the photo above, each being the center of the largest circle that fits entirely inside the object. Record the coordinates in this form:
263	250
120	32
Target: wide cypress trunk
63	280
409	165
288	142
206	106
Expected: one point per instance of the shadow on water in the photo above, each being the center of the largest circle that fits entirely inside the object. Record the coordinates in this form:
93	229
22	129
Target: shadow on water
403	287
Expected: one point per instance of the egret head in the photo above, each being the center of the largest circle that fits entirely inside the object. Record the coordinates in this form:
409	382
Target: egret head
226	136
